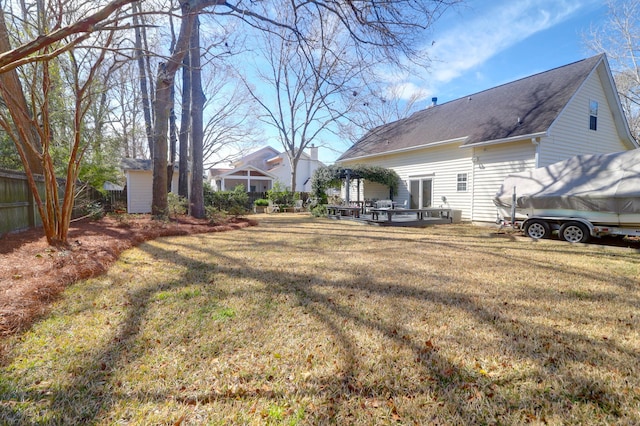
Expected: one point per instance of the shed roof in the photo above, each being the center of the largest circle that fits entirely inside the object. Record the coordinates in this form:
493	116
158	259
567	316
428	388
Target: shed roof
139	164
523	107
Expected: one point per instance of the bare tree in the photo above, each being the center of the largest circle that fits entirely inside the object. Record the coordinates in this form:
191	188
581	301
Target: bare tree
25	137
231	129
185	128
376	31
310	85
32	126
162	106
196	197
64	37
375	105
144	71
618	38
125	120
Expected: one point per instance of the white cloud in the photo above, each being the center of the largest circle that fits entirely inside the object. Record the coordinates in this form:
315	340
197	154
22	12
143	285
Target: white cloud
468	42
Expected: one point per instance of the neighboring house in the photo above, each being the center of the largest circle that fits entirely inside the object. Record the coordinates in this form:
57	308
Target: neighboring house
457	154
139	174
258	171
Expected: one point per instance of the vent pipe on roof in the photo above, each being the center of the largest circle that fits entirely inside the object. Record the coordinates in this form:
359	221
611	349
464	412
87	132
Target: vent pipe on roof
434	101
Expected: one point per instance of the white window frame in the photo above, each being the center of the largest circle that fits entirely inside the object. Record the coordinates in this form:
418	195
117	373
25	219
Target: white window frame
464	181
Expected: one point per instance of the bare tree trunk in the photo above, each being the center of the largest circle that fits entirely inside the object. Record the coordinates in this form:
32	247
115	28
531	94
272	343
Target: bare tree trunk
173	138
159	204
141	34
294	168
185	127
13	96
196	199
165	80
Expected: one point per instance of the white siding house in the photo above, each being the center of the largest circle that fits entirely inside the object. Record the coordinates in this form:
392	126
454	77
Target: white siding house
259	170
457	154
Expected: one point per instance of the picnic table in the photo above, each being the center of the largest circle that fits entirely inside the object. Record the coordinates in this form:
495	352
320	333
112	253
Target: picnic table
421	214
333	210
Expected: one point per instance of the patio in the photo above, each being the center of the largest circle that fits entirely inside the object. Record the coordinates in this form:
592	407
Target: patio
393	217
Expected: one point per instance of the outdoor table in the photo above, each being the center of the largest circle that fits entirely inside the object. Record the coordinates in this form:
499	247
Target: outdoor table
333	210
420	213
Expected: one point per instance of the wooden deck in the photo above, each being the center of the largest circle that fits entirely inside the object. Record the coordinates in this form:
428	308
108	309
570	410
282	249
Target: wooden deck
393	217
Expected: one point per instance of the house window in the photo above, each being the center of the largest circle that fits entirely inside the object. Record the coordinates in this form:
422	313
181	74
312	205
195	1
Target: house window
462	182
593	115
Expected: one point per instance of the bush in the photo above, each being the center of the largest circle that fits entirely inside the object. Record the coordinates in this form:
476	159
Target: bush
208	194
214	215
177	205
319	210
236	200
261	202
95	210
281	196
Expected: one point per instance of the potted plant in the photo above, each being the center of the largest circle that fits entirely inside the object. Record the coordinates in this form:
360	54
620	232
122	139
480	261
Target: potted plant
260	205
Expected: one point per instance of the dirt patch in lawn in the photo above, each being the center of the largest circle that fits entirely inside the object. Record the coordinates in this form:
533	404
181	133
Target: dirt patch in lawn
32	274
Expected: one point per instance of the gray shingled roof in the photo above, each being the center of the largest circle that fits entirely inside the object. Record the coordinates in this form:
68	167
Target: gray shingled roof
485	116
138	164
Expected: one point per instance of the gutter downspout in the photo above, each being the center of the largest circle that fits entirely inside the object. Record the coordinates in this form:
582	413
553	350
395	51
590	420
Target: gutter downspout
536	142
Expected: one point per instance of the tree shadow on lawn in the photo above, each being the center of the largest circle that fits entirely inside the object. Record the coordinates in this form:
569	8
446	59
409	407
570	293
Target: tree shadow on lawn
544	346
456	388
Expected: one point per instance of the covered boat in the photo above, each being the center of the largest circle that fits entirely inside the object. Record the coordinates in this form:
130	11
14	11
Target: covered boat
602	189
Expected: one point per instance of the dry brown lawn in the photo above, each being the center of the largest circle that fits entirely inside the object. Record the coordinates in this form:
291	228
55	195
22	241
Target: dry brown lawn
313	321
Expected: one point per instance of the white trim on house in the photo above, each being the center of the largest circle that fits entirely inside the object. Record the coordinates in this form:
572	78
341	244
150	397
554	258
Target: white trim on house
413	148
244	174
505	140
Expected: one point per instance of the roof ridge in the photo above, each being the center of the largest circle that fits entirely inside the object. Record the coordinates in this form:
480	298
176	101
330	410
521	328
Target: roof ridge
599	55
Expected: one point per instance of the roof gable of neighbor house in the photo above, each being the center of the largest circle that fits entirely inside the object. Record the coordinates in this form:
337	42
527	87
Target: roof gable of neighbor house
523	107
257	158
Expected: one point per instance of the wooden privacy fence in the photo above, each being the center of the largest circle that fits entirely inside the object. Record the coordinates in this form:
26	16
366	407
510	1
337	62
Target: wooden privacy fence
18	209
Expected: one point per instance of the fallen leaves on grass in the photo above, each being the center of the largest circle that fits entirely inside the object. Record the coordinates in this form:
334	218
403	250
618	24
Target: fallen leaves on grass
32	273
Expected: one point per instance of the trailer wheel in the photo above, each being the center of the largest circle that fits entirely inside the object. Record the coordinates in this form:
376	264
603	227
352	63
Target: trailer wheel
537	229
574	232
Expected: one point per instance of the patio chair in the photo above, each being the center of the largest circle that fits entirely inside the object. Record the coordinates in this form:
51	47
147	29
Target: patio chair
298	207
273	207
384	204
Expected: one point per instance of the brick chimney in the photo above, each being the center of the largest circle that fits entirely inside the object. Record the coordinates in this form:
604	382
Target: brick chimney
313	152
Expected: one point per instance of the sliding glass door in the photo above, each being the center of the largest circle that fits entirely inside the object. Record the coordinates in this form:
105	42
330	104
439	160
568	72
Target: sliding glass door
421	193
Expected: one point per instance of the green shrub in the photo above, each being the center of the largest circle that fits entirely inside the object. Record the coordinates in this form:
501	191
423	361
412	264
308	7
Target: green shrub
177	205
319	210
95	210
261	202
280	195
237	210
214	215
236	200
208	194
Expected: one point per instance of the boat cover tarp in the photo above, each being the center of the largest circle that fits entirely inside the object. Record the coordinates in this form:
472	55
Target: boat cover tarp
599	183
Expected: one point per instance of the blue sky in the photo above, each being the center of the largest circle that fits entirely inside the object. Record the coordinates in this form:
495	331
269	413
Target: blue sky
482	44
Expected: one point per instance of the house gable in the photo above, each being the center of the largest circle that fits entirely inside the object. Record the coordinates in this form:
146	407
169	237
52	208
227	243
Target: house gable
570	134
518	126
257	158
506	113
